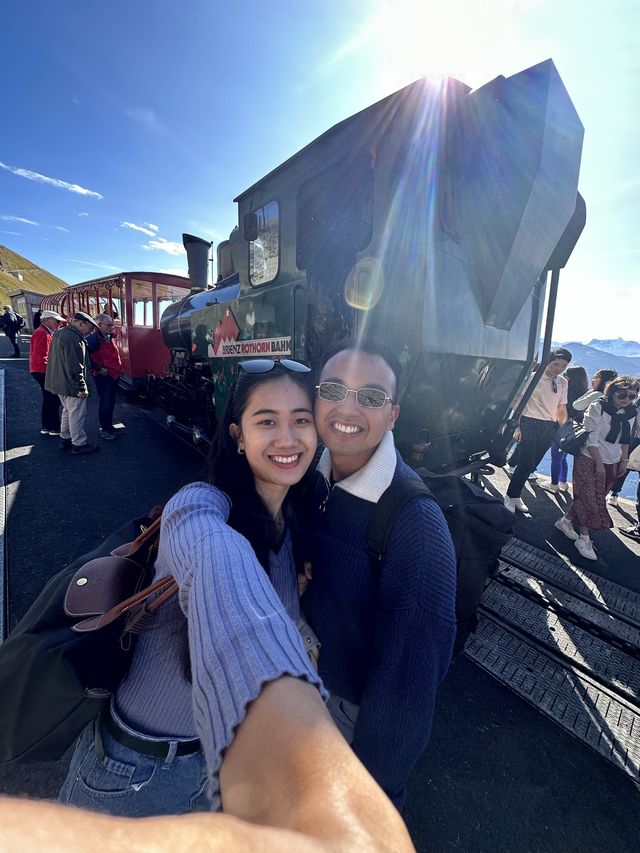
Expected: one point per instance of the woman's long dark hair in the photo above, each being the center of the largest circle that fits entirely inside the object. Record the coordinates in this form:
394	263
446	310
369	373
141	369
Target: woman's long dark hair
230	472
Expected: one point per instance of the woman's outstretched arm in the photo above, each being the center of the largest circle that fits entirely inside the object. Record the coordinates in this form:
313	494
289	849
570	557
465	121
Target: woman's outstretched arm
290	784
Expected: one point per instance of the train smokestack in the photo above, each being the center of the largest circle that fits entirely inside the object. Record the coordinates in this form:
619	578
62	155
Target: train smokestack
197	259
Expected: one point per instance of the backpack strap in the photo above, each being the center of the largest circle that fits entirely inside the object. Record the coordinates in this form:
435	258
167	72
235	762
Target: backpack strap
386	511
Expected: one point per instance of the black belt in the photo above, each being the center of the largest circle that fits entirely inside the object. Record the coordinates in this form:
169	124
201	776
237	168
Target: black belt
155	748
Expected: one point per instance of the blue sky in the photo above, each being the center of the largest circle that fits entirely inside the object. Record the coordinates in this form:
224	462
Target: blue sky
126	123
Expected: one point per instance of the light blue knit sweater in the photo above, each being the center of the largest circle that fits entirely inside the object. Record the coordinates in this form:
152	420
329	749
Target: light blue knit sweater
240	635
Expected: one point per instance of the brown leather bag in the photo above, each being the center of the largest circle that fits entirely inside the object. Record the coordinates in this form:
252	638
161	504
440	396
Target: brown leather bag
107	588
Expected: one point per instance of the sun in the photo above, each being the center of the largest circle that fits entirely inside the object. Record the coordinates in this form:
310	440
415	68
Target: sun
463	39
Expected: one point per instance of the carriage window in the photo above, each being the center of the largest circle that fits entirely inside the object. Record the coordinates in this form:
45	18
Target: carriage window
264	251
116	302
166	295
142	300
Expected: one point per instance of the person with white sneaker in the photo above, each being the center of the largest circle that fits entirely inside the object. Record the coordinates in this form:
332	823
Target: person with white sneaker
545	409
609	422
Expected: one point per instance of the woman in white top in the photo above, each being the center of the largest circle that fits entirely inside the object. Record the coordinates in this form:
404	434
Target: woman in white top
609	422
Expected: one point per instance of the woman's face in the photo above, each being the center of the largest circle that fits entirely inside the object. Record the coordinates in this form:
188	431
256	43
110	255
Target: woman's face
277	433
623	397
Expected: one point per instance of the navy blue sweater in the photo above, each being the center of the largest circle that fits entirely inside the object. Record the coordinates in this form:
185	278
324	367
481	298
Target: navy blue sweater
386	636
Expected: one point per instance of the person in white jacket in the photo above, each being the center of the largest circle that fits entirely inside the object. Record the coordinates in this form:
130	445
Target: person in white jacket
609	422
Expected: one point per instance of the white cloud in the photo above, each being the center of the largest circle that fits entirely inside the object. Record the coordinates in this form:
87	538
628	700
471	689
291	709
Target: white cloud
6	218
13	233
93	265
54	182
151	226
135	227
75	99
61	228
83	213
174	271
167	246
147	118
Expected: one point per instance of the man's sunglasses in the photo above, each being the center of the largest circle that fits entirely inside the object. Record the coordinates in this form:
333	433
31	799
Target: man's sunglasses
335	392
554	386
626	395
264	365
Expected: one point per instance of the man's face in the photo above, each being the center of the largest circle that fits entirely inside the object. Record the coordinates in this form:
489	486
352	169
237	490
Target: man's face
555	368
350	431
106	326
51	323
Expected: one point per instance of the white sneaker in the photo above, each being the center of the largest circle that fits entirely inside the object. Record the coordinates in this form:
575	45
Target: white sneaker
585	547
532	476
564	487
612	500
564	526
510	504
551	487
521	505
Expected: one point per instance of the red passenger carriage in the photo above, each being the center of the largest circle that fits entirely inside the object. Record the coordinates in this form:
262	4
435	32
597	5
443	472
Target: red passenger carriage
136	301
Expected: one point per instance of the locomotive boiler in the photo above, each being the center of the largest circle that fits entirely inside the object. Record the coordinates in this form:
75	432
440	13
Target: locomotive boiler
432	220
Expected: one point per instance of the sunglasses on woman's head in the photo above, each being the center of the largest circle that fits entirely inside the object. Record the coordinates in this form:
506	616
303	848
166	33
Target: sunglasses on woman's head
264	365
335	392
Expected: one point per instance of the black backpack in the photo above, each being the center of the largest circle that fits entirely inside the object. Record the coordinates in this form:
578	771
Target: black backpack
57	672
479	524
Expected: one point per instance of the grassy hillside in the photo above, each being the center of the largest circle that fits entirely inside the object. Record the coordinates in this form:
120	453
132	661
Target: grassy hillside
33	278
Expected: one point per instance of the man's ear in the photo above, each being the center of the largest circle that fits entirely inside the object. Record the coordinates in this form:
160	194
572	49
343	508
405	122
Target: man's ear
393	417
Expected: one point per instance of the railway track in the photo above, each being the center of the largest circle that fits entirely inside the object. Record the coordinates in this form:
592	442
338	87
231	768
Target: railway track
568	642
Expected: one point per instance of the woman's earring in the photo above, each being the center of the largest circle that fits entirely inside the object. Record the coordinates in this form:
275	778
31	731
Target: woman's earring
241	450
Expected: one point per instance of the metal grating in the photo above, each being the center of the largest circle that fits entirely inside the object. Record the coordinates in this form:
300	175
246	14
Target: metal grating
592	713
597	590
560	636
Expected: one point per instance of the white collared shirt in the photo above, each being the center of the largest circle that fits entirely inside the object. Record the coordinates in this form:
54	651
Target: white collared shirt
373	478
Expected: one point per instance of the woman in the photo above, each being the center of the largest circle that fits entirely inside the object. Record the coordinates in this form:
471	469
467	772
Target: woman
191	680
578	384
609	423
598	383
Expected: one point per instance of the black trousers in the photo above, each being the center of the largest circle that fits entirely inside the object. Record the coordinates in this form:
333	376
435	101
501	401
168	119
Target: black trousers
50	406
535	441
13	337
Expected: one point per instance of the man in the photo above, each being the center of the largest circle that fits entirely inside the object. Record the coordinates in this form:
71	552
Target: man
544	411
386	632
38	357
11	323
67	377
106	367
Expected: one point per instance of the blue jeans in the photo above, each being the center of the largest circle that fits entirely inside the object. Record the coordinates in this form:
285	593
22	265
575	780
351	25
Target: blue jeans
126	783
559	465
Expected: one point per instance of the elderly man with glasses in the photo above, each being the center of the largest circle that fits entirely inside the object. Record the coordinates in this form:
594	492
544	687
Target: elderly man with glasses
106	368
544	411
387	632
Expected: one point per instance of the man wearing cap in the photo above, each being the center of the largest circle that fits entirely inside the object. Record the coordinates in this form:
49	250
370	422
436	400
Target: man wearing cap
544	411
66	376
38	357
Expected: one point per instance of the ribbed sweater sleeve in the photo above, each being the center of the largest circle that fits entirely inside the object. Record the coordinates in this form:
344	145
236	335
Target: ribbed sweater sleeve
240	636
415	630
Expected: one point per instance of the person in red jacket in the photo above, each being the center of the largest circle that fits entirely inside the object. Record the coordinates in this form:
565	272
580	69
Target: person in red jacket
38	357
106	368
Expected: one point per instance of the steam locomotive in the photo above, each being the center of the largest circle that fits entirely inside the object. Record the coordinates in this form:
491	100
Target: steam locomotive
430	219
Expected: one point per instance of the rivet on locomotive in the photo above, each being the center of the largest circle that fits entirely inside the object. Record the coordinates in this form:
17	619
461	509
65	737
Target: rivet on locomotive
430	219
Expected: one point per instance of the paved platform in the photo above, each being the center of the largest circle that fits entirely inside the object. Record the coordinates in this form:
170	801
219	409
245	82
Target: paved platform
497	774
